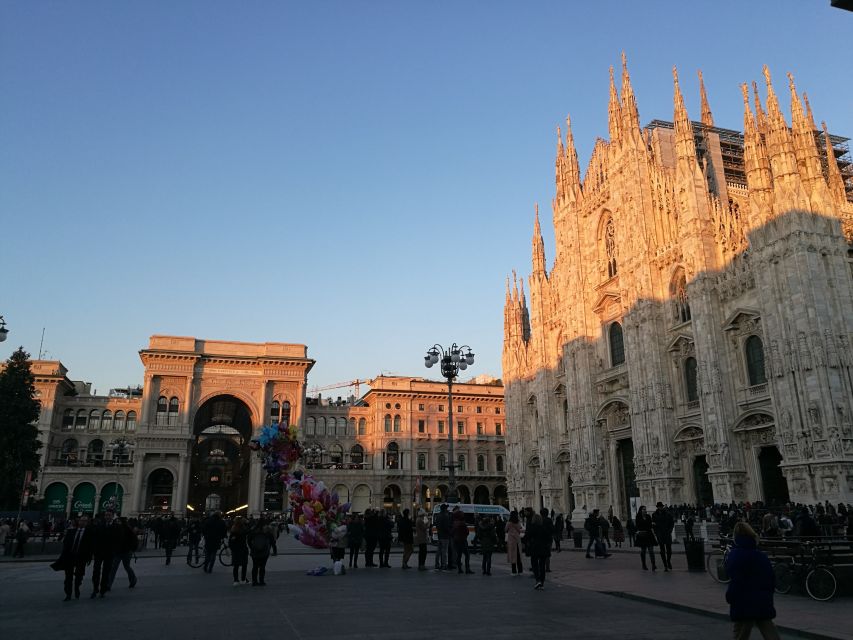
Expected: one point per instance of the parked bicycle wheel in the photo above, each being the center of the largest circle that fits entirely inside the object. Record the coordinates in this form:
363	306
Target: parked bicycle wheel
821	584
195	557
784	577
715	562
225	557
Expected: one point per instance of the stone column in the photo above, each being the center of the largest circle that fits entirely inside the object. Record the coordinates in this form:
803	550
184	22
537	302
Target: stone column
255	482
188	399
183	486
136	499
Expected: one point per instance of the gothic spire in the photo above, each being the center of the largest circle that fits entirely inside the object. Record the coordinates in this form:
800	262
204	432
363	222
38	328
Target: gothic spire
805	148
760	118
515	297
756	163
707	117
834	179
538	246
614	110
573	172
685	147
630	114
809	114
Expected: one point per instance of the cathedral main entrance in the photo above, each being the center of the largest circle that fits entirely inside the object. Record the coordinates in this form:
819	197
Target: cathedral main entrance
773	482
219	471
701	483
627	478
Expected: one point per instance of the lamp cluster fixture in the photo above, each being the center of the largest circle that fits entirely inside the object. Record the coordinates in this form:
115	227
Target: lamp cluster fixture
452	360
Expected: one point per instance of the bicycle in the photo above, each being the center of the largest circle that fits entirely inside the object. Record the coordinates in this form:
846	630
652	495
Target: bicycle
715	561
196	555
818	579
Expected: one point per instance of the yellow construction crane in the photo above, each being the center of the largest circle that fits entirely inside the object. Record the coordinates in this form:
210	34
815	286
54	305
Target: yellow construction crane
339	385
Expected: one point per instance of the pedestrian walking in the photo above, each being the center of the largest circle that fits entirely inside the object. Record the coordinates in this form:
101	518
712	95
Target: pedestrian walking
386	537
618	531
664	523
688	528
105	543
371	536
646	538
193	539
488	541
260	544
355	531
592	527
76	554
213	531
631	529
127	544
421	536
750	592
558	532
237	543
21	537
513	544
459	534
537	539
170	533
406	535
443	526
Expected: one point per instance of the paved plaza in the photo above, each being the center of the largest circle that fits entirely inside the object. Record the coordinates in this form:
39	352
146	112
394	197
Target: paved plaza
181	602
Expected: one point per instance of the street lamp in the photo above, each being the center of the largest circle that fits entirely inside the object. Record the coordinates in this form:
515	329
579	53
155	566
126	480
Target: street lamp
120	448
3	330
453	360
314	451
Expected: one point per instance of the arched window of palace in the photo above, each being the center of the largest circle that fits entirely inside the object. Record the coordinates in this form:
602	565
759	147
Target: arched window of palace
481	463
94	420
342	426
388	423
610	247
309	426
107	420
351	427
681	304
67	420
275	412
285	412
162	408
95	453
118	423
173	411
396	424
80	420
690	384
336	454
617	344
499	464
755	361
356	455
362	427
321	426
131	421
68	453
392	456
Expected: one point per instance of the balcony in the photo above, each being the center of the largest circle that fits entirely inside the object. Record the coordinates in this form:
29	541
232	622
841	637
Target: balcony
755	395
341	466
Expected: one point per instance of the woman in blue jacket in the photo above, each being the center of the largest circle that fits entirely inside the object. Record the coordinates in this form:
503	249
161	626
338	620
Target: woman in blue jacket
750	592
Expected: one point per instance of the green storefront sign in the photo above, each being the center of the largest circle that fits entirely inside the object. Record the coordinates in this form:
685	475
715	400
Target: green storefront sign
109	492
56	498
84	498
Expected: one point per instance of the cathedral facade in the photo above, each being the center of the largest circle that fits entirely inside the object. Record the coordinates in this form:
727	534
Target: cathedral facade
691	342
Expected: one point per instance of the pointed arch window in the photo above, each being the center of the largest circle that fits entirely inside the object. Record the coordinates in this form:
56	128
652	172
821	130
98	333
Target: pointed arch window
690	383
755	361
275	412
617	344
610	247
681	305
173	411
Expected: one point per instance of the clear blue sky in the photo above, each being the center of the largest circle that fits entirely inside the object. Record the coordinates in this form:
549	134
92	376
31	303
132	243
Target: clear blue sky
357	176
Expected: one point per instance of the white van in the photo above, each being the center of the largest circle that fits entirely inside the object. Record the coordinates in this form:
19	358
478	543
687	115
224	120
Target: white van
473	512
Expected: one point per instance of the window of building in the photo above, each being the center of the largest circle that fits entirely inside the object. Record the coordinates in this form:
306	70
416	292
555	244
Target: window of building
131	421
387	405
285	413
95	453
442	461
388	423
421	426
691	389
392	456
107	420
499	430
173	411
68	453
479	409
678	291
351	427
497	410
610	247
461	463
397	405
441	407
441	426
396	424
565	416
421	461
275	412
755	361
460	428
420	407
499	463
342	427
118	423
321	426
480	430
336	454
617	346
67	420
310	426
459	408
362	427
94	420
481	463
356	455
162	410
80	420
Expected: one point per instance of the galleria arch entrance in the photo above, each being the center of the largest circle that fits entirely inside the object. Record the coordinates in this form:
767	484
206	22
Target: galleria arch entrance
221	458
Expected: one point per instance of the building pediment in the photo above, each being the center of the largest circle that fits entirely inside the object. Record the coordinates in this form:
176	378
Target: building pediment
755	421
740	317
682	344
689	433
608	304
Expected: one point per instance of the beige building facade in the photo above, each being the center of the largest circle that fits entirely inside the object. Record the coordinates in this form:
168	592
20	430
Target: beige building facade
179	443
691	342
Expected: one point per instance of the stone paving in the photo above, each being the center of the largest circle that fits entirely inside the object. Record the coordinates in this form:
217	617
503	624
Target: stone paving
179	601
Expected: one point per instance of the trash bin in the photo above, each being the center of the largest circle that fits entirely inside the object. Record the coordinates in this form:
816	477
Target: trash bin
577	536
695	552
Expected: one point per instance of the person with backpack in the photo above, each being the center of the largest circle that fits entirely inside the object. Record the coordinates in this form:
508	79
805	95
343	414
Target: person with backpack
750	591
260	544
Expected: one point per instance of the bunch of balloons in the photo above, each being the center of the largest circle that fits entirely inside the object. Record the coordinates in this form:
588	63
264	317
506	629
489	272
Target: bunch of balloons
317	512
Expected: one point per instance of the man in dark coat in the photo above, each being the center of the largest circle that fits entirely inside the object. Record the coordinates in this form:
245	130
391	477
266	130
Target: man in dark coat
355	534
76	553
443	527
169	536
371	536
386	537
750	592
106	540
406	535
213	531
558	532
591	526
663	523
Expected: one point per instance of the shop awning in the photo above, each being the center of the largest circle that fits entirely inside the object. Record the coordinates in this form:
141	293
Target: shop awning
56	498
83	500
